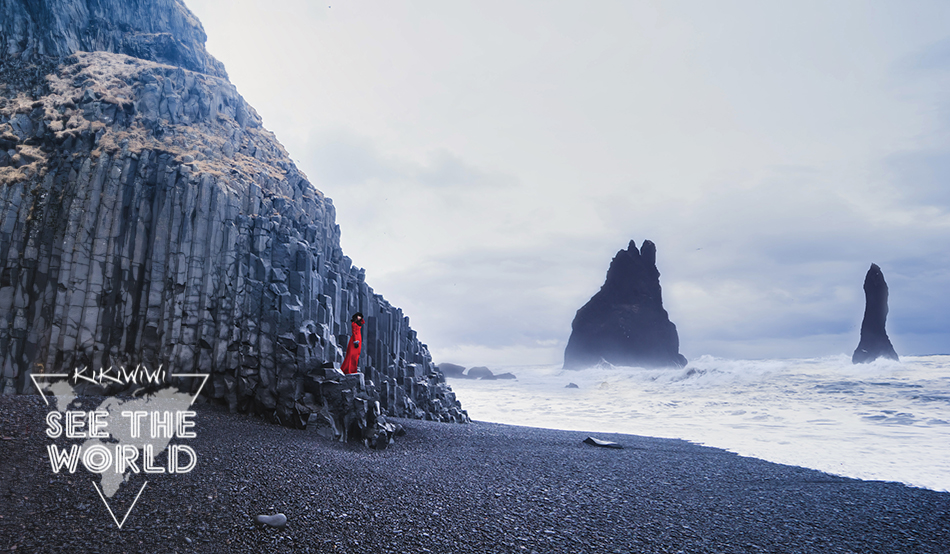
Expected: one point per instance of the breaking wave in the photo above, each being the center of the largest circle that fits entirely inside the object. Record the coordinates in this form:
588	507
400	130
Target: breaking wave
885	420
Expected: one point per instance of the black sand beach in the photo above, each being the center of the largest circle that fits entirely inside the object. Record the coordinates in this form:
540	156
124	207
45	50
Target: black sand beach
453	488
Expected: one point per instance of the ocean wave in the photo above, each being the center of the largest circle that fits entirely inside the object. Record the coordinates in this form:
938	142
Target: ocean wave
884	420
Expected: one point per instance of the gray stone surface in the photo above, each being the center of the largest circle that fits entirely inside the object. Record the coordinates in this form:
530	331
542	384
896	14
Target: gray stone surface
276	520
147	217
159	30
602	443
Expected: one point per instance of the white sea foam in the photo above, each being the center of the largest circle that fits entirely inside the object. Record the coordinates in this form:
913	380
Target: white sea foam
885	421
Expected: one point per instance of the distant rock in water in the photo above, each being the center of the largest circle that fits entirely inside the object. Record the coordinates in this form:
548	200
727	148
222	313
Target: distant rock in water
874	342
625	323
480	372
451	370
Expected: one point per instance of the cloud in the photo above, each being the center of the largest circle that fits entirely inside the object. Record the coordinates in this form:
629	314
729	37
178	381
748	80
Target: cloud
768	267
934	57
447	169
486	169
766	260
343	158
498	297
922	177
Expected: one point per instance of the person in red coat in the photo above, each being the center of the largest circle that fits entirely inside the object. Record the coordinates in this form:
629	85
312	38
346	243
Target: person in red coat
353	348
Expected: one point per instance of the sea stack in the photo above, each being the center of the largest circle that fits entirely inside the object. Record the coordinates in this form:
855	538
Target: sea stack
625	323
874	342
147	217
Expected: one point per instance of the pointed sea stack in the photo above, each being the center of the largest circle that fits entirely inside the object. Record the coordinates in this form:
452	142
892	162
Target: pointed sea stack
874	342
625	323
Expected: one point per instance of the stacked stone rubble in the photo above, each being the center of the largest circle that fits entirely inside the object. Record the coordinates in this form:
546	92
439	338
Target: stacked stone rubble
147	217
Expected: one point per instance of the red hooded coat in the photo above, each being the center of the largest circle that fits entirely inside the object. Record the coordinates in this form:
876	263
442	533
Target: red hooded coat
353	350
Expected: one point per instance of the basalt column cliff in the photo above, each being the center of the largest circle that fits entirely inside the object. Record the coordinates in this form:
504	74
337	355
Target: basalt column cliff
146	217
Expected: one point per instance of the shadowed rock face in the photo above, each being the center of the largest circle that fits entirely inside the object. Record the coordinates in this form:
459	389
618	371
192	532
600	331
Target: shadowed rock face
163	31
625	323
874	342
147	217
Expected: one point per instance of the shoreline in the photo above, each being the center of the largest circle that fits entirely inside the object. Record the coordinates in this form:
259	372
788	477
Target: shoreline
870	422
480	487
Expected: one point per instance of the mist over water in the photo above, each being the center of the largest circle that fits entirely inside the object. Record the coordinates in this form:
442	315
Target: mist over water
885	420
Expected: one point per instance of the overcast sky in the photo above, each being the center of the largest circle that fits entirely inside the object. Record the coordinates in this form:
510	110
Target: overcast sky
488	159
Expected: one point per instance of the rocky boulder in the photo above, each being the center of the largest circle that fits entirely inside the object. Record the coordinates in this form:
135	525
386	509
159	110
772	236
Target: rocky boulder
451	370
874	342
625	323
480	372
